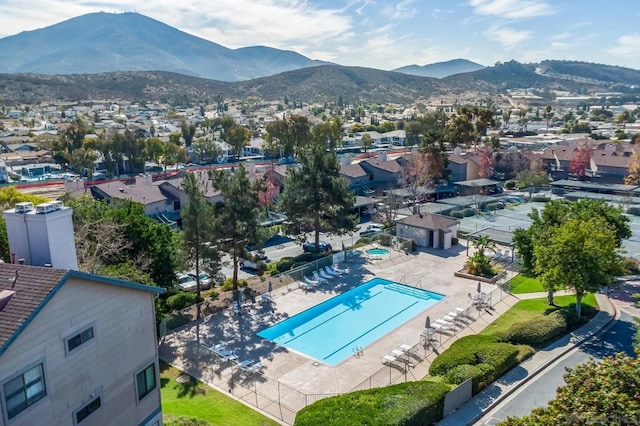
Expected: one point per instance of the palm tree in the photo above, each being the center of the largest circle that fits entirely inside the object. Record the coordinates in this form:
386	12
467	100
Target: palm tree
483	243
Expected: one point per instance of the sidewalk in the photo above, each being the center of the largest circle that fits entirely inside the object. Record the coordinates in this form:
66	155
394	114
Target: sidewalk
489	397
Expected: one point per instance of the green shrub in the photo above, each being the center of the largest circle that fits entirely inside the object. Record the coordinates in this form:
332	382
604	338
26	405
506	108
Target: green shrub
480	374
407	404
538	330
457	214
510	184
181	300
634	211
284	264
384	239
228	284
494	206
468	212
272	268
502	356
462	351
454	241
414	246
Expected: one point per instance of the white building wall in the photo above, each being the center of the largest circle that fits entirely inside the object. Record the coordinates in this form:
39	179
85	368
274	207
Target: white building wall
17	235
124	344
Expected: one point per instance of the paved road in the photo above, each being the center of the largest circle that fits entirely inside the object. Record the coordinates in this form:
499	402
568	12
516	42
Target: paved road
617	338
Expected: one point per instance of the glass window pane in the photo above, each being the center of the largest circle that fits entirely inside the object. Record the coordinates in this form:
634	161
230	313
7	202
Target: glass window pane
151	378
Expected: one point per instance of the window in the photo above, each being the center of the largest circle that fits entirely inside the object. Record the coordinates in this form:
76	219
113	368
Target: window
86	411
146	381
80	338
25	390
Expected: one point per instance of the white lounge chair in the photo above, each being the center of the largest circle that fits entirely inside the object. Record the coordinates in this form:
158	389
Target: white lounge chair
388	359
331	272
324	274
444	325
225	355
319	278
497	254
405	347
337	270
244	364
506	255
310	281
253	368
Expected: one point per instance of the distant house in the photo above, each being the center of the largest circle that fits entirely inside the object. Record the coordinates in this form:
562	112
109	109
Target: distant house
609	163
144	191
428	230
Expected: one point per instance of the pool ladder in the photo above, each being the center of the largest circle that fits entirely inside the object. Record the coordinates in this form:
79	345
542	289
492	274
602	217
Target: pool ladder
358	351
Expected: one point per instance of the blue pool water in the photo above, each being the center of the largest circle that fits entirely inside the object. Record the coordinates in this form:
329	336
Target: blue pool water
330	331
377	252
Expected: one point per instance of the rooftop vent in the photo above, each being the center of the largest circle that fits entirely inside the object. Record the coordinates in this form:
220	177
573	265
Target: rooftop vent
45	208
24	207
5	296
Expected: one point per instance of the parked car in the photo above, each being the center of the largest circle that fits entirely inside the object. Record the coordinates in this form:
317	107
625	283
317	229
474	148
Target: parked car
205	280
257	257
187	282
320	248
371	230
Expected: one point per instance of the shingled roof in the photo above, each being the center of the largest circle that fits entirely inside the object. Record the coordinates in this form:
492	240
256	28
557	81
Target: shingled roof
33	287
429	221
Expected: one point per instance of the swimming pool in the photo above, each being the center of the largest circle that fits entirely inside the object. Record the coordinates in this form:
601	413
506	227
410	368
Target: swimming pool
377	251
331	331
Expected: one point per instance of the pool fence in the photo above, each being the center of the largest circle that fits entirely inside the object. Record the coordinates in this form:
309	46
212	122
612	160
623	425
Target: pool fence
282	401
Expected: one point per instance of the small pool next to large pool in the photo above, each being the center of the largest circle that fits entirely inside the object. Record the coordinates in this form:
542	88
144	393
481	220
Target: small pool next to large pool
329	332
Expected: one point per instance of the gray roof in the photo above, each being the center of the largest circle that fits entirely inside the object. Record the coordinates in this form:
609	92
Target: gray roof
593	185
477	182
34	286
144	194
429	221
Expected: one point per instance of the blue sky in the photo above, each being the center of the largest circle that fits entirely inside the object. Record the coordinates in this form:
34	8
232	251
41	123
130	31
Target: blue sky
382	34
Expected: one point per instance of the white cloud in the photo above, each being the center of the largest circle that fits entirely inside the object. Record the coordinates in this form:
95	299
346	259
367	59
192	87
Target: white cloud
232	23
508	38
512	9
628	45
404	9
441	13
561	36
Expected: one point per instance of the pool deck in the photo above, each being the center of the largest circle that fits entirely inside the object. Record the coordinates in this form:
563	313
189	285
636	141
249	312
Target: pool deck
432	268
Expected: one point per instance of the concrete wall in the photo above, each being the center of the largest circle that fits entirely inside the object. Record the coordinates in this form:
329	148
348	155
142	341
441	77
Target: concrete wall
124	344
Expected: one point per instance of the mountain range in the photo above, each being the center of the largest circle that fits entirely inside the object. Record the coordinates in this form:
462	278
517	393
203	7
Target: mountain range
132	57
133	42
441	69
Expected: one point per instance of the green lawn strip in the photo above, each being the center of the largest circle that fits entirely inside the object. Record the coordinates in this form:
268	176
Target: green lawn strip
521	284
529	309
197	401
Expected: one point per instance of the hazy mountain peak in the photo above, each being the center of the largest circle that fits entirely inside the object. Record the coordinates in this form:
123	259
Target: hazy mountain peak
134	42
441	69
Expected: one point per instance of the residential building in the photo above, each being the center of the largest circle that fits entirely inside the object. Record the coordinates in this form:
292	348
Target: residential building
75	348
428	230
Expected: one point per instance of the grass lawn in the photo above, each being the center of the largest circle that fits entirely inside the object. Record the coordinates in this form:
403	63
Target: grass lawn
526	310
521	284
202	405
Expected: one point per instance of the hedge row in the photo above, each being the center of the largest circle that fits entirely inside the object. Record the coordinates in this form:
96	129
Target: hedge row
480	374
406	404
474	351
538	330
461	352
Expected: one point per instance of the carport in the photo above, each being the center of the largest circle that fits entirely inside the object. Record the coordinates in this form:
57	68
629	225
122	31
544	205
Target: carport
498	236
